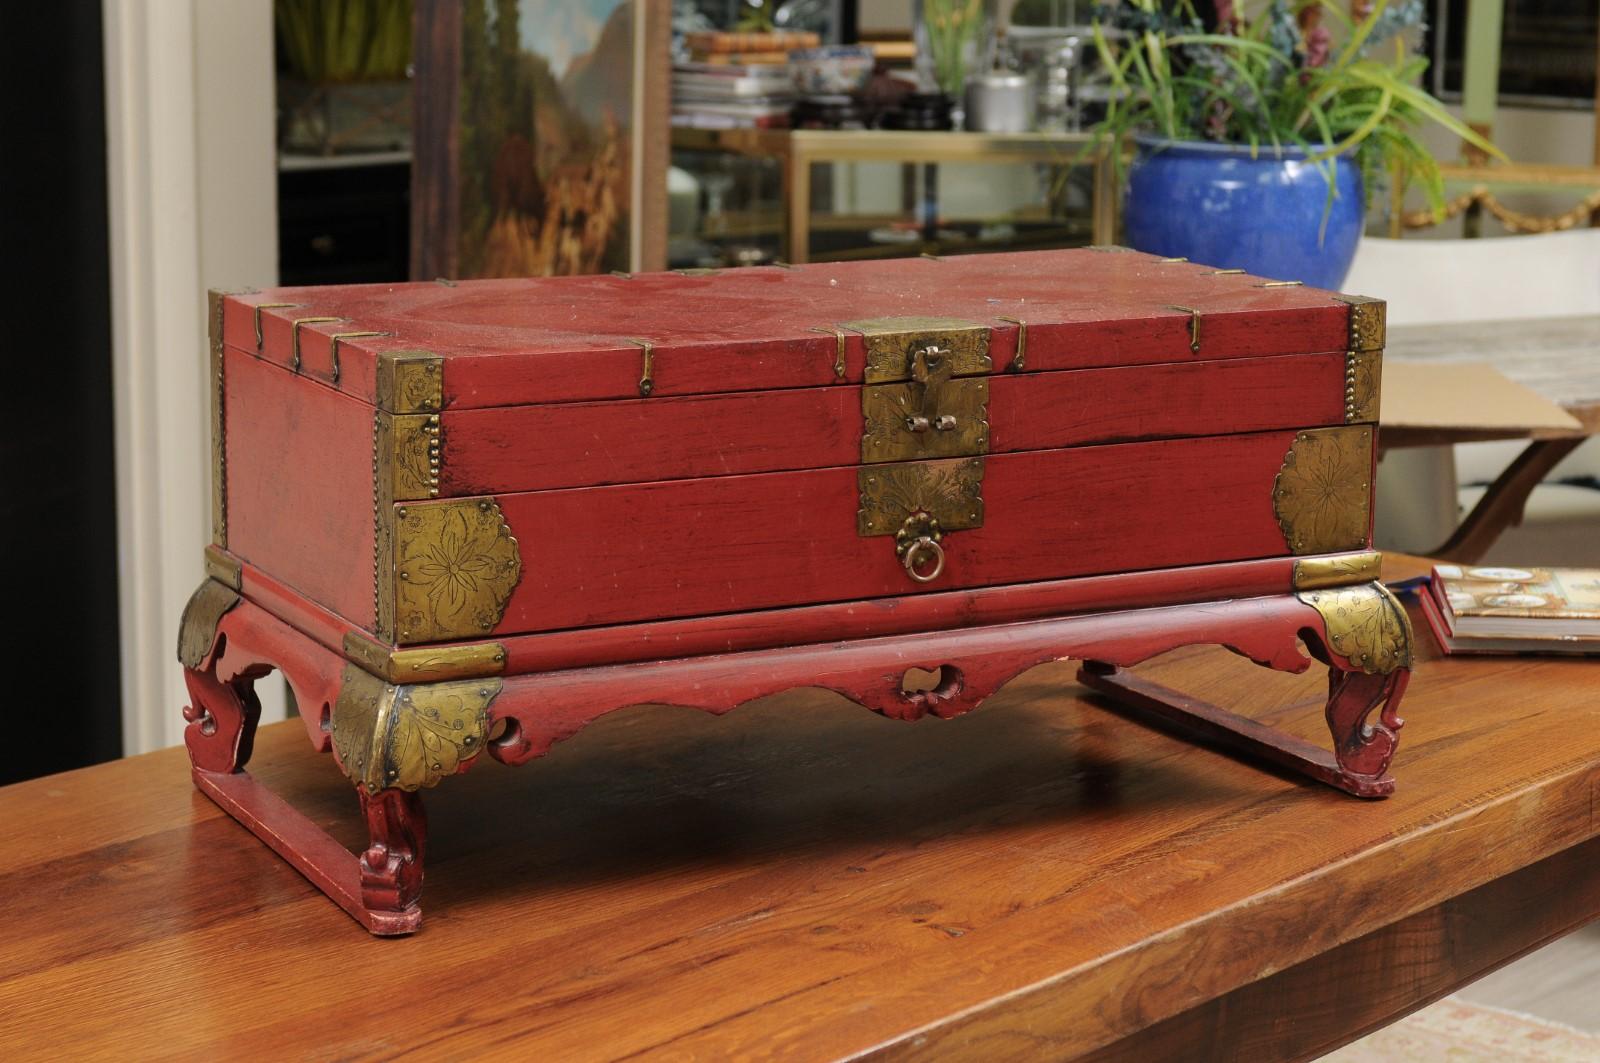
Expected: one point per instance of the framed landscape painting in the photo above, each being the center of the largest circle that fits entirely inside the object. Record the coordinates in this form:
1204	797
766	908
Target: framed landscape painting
541	137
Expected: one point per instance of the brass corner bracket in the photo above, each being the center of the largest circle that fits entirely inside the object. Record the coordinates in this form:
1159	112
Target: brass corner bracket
1363	385
1368	327
197	630
410	382
1322	497
409	454
1366	625
454	566
406	737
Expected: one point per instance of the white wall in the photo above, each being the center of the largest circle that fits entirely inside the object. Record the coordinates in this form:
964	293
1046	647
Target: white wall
192	188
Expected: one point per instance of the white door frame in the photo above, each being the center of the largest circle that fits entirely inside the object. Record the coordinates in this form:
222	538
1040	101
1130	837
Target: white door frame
191	173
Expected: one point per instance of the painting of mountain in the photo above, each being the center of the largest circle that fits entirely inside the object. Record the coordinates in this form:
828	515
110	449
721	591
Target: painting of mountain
543	160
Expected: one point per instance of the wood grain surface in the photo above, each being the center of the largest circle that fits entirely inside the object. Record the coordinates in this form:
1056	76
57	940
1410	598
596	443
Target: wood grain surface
804	880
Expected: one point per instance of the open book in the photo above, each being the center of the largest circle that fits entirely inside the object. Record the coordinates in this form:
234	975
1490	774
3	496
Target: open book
1496	609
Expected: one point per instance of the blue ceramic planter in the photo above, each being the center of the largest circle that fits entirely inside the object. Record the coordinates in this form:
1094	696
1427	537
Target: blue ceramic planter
1215	204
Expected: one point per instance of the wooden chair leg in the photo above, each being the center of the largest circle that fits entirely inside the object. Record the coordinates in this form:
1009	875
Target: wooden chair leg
1502	504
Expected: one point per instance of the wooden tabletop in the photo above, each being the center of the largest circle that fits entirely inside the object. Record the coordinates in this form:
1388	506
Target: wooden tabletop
801	879
1558	357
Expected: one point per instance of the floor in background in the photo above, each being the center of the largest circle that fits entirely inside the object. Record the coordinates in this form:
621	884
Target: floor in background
1464	1032
1544	1007
1560	982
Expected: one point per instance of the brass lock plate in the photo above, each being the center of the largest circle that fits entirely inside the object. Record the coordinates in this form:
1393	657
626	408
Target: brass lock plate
892	343
949	491
900	425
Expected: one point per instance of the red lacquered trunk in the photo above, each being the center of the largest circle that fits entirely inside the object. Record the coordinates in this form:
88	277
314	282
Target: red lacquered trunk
478	516
444	463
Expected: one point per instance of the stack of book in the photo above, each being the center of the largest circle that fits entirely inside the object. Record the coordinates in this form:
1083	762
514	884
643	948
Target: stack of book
1498	609
736	80
715	96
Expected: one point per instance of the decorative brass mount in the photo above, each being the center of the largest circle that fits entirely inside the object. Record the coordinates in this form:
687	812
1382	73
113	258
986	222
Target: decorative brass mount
925	396
892	343
1323	494
1368	322
931	416
950	491
1366	625
408	737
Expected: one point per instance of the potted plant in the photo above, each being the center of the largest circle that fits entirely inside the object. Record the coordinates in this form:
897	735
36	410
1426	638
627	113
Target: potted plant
1257	144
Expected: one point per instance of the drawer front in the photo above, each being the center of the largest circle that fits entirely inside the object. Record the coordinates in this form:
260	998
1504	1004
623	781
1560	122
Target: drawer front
552	560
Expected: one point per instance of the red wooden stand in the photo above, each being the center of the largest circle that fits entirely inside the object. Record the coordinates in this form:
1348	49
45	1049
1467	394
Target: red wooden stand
392	740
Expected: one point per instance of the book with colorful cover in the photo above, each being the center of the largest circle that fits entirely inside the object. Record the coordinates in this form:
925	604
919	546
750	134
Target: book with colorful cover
1503	609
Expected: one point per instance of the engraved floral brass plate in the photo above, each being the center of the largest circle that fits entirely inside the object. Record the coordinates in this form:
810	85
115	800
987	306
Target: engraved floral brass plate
1323	494
892	343
949	491
1366	625
408	737
456	564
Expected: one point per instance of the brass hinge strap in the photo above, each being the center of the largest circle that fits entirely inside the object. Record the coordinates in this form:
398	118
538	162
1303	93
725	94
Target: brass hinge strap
1282	284
1173	261
647	382
294	337
1019	360
838	335
260	338
1220	272
1194	325
339	337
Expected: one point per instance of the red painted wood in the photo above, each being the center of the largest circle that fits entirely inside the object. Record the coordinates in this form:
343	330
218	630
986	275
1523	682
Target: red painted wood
1366	774
533	712
299	484
893	616
308	848
379	888
533	448
307	617
610	555
974	663
824	623
567	339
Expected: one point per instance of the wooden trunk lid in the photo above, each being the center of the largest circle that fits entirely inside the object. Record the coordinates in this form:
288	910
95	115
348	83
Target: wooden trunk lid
573	339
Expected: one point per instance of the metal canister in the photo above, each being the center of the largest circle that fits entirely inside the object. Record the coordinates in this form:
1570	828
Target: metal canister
1000	102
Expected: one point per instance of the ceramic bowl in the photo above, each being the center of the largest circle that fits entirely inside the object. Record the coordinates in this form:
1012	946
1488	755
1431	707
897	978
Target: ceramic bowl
833	70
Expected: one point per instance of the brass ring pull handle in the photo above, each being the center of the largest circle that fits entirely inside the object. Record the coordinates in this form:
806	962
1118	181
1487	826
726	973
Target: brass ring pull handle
917	552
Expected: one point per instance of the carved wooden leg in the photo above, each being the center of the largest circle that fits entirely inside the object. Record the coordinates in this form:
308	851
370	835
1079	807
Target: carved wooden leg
1361	633
404	737
1364	750
222	720
391	867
